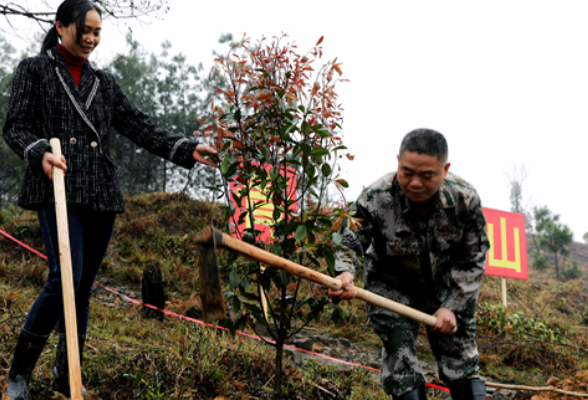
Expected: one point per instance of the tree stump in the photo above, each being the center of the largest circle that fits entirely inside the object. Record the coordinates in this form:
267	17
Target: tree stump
152	291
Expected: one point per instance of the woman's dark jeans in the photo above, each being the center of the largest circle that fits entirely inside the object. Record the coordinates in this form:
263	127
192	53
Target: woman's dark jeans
89	234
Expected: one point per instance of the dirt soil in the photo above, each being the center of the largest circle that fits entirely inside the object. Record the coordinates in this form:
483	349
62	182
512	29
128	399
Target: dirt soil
578	384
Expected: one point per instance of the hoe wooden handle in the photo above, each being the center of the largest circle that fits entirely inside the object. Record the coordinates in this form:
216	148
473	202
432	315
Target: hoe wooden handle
255	253
69	305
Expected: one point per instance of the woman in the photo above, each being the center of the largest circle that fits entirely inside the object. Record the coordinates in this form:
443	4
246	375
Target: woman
60	94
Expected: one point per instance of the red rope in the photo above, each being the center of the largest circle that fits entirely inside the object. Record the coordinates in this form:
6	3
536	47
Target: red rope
432	385
199	322
23	245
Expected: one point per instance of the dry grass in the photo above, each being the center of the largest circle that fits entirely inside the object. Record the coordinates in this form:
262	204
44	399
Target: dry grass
128	357
543	332
558	302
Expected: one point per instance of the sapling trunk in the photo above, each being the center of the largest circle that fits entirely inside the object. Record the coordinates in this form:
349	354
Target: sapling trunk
280	340
278	372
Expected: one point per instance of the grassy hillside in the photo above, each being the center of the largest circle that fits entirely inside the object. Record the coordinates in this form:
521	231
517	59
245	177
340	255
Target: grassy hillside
129	357
543	332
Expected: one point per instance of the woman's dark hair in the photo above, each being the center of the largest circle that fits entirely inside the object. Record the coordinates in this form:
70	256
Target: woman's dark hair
69	11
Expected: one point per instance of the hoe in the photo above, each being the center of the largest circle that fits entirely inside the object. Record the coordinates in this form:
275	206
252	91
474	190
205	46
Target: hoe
213	300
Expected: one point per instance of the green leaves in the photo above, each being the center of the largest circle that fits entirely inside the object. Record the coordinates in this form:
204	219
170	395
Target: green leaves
300	233
323	132
319	151
337	238
234	279
284	278
229	165
330	259
338	316
225	165
310	171
343	183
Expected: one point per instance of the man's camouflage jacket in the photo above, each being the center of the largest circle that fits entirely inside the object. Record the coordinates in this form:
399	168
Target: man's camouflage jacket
393	239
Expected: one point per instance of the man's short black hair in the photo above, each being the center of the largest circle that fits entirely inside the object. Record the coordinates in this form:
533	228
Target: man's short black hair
425	141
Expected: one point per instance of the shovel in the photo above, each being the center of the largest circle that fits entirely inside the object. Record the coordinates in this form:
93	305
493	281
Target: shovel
213	299
69	305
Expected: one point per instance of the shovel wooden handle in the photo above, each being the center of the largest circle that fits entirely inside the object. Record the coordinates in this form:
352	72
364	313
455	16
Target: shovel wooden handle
255	253
69	304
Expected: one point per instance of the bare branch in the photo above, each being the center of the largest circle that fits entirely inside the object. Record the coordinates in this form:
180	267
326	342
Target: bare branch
141	10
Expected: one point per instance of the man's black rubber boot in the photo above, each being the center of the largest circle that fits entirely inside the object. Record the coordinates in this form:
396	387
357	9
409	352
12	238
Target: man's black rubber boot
468	389
60	368
27	352
414	394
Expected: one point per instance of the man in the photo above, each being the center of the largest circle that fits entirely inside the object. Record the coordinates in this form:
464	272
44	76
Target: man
423	235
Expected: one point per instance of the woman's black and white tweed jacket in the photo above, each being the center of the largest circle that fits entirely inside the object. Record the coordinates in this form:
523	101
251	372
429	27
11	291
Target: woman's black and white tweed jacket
46	103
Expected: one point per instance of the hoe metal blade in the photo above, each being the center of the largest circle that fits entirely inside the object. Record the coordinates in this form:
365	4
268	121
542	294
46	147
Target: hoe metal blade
213	299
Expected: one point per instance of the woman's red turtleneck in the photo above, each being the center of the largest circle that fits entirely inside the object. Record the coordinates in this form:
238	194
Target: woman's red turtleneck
74	64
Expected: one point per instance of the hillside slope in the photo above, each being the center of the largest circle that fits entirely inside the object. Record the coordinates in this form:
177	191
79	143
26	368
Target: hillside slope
542	333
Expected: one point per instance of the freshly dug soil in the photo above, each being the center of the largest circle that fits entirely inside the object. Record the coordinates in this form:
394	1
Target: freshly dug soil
577	384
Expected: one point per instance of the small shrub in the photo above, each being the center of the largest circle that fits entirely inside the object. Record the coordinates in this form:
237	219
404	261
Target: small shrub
516	325
571	273
278	134
539	261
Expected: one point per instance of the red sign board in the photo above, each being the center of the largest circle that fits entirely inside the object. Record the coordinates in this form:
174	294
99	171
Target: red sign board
508	244
263	215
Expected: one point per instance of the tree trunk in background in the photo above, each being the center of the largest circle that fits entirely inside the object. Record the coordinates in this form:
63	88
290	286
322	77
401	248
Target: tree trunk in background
537	249
280	340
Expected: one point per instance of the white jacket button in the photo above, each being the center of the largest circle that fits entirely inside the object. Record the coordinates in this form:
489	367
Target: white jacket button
94	144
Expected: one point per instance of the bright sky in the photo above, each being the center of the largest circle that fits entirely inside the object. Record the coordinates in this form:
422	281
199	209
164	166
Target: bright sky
506	82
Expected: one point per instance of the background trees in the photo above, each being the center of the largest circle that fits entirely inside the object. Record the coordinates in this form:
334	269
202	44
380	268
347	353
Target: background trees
172	93
552	237
11	167
548	234
516	178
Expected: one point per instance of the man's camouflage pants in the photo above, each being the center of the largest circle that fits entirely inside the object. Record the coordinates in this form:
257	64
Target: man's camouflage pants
456	354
